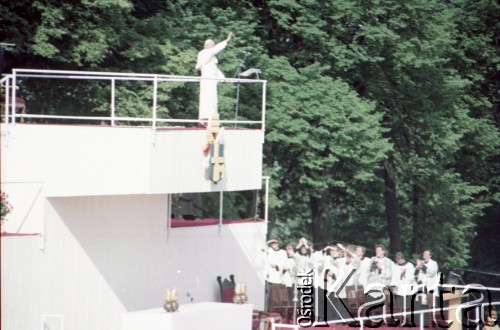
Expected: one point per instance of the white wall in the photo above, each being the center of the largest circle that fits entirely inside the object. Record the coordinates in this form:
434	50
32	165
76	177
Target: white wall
28	202
72	160
106	255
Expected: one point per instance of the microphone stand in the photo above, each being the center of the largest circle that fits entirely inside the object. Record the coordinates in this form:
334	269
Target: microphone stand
237	75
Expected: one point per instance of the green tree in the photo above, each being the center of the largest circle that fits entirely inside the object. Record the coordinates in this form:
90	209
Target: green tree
477	59
323	137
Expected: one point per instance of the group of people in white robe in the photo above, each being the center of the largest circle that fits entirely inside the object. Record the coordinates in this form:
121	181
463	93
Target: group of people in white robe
337	267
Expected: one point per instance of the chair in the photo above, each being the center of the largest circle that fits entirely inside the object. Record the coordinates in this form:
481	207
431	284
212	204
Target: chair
355	297
266	320
227	288
391	306
279	301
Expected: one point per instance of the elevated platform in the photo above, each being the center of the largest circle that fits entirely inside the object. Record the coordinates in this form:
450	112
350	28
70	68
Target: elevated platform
76	160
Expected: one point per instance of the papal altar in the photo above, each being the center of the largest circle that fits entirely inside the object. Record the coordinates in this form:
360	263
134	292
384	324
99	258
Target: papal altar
196	316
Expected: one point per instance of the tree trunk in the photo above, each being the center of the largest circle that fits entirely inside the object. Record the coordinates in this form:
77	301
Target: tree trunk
417	226
391	206
321	225
251	209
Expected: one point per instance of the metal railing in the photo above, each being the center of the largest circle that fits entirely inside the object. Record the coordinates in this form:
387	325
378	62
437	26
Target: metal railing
478	305
9	86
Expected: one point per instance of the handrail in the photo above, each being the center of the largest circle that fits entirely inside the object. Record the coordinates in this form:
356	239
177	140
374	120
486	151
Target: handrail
11	116
360	320
121	75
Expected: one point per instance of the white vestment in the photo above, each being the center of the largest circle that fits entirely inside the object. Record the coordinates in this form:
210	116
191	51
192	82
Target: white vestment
207	64
276	260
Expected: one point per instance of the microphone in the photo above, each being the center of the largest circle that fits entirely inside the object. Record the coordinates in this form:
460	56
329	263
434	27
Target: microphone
454	274
245	52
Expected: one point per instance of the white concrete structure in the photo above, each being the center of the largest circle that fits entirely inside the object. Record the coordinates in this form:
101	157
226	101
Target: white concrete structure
89	237
97	160
189	317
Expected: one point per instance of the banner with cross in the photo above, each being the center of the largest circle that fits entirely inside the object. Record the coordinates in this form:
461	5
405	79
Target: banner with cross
216	166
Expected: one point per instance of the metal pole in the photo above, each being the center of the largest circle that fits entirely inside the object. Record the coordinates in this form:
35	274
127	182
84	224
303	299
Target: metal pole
7	87
266	209
112	101
155	95
237	103
13	102
263	127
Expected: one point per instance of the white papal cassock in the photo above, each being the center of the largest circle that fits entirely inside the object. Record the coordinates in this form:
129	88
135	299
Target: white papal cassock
207	64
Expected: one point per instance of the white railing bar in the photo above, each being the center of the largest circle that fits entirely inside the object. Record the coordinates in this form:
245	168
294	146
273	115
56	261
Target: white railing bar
84	118
13	101
408	313
94	73
112	102
286	326
138	78
56	73
133	119
470	286
97	73
106	78
155	96
7	90
250	122
160	79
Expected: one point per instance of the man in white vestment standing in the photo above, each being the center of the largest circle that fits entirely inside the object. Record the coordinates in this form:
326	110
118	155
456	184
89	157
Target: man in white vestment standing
207	64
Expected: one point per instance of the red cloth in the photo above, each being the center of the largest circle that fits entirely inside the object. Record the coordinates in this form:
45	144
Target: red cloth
19	101
176	223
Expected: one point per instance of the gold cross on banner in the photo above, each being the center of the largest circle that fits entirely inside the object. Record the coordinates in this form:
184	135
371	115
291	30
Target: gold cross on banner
217	162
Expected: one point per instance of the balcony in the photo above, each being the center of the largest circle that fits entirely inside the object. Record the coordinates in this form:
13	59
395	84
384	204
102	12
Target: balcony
105	151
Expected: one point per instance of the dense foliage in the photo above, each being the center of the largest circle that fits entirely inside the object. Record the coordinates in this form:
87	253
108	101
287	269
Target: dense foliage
383	116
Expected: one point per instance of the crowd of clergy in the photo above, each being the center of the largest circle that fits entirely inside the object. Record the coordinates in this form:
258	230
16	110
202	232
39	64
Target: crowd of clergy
337	267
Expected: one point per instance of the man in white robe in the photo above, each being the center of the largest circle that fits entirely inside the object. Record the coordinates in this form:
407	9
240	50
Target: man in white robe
276	260
207	64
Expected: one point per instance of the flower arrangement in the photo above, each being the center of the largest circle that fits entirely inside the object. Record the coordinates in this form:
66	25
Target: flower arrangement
170	304
240	293
6	207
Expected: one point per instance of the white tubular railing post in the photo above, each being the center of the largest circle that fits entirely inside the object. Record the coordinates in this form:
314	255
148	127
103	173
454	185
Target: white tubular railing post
263	125
155	95
266	209
13	94
112	101
7	91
